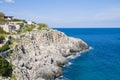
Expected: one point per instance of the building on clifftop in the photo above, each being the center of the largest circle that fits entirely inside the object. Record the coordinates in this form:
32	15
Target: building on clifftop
11	25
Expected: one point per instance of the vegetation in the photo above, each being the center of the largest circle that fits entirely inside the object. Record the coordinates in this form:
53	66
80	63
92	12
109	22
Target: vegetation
14	77
13	20
11	39
2	31
5	68
42	25
24	27
1	39
2	14
4	47
30	28
27	28
17	20
2	17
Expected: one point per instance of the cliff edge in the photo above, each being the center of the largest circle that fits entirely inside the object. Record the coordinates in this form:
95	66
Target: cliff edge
40	55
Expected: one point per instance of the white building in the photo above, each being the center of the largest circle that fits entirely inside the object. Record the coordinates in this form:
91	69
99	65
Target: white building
8	17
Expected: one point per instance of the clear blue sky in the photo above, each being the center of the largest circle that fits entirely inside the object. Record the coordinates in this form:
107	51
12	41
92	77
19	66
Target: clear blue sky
65	13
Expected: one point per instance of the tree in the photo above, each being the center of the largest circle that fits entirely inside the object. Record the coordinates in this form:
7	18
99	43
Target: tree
5	68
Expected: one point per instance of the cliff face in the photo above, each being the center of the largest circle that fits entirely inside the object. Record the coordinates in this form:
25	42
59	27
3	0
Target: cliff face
40	55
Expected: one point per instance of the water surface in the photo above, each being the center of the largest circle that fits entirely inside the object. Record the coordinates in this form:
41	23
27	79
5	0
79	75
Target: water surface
100	63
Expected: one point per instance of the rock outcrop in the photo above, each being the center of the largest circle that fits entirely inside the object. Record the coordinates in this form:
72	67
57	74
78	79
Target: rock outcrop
40	55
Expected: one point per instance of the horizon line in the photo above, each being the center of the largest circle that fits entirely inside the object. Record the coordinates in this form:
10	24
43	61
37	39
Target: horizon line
85	27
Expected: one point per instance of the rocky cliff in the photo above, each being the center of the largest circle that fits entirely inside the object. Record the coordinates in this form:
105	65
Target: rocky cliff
40	55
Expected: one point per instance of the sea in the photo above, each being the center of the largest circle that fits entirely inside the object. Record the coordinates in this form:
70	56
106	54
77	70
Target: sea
101	62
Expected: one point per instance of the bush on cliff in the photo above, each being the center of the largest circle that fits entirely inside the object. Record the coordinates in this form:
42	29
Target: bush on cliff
5	68
42	25
1	39
2	14
2	31
26	28
18	20
4	47
30	27
2	17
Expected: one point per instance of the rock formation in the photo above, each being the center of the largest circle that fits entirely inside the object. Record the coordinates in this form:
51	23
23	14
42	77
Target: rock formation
40	55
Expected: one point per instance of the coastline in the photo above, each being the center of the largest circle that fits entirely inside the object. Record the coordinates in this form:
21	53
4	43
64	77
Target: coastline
41	55
78	54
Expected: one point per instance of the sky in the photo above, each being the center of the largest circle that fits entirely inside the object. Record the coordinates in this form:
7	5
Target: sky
66	13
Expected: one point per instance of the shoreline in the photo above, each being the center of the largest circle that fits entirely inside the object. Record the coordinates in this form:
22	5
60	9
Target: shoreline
73	57
41	55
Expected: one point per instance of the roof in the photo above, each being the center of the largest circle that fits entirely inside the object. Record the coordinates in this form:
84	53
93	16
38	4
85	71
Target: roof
8	16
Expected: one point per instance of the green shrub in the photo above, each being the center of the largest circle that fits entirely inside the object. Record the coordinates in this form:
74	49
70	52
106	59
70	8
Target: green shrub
2	14
5	68
18	20
26	28
42	25
1	39
2	19
30	28
2	31
4	47
11	40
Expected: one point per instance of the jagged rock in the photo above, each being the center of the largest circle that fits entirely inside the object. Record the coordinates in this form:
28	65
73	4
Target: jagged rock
40	55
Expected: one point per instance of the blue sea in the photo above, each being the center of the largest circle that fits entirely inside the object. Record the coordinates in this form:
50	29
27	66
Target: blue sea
100	63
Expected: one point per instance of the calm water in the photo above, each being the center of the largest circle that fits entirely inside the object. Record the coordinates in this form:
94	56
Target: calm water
100	63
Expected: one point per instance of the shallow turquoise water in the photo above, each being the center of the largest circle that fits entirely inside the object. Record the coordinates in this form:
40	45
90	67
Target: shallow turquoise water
100	63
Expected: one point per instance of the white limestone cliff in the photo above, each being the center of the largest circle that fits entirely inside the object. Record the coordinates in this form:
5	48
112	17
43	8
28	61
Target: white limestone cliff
40	55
